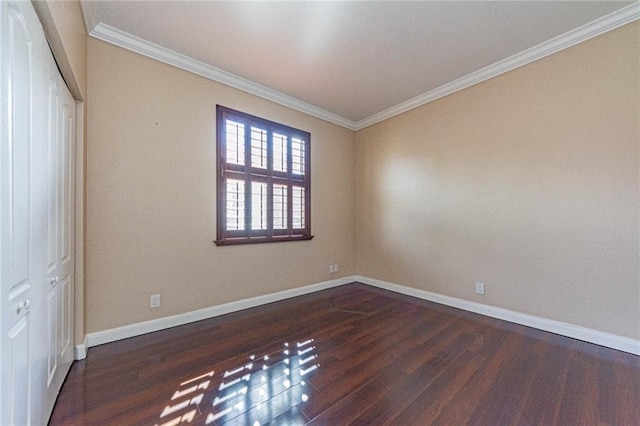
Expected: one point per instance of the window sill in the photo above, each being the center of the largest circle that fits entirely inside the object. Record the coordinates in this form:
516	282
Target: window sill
260	240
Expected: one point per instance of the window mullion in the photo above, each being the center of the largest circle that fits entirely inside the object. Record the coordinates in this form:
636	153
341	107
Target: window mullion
269	182
289	184
247	178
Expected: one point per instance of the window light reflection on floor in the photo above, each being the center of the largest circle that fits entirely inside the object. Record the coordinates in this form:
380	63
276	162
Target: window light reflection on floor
251	394
187	390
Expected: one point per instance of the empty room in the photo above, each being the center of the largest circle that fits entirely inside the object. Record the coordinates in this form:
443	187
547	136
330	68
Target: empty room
327	213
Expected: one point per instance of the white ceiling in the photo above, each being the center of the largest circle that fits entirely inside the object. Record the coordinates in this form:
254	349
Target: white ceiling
349	61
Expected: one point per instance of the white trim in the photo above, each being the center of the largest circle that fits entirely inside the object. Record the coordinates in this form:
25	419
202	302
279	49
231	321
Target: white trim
88	15
578	35
137	329
135	44
130	42
80	351
601	338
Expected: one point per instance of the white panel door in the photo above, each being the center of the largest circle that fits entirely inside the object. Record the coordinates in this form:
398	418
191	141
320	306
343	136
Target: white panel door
60	247
36	220
17	202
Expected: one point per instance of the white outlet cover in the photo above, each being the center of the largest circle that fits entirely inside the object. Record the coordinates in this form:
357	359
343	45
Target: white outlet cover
479	288
154	301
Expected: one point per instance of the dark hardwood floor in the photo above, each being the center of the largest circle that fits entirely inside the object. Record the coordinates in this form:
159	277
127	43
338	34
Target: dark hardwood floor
351	355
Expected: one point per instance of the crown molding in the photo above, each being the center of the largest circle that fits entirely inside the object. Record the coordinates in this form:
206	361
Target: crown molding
578	35
130	42
88	15
135	44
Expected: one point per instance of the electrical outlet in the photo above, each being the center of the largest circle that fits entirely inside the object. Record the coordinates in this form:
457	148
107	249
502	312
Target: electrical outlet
331	269
480	288
154	301
335	267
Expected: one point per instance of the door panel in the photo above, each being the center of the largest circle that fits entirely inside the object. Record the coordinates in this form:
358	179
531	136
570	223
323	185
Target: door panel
52	334
52	176
19	403
65	312
66	167
19	148
67	115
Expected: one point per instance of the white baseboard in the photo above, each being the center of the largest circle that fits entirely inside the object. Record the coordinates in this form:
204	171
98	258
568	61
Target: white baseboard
80	351
609	340
111	335
581	333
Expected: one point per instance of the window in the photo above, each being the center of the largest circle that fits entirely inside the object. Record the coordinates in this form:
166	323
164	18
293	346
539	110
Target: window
263	180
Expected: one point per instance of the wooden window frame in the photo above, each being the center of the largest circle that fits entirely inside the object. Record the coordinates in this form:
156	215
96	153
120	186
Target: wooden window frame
249	174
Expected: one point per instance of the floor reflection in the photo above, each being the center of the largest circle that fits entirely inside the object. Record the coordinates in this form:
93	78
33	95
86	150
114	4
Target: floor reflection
265	389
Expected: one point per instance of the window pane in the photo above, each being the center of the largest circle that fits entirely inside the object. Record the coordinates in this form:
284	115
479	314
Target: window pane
258	148
235	205
298	207
279	152
279	206
235	142
258	206
297	156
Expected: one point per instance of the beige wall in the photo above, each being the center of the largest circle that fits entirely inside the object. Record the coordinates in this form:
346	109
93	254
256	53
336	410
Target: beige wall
64	26
528	182
151	196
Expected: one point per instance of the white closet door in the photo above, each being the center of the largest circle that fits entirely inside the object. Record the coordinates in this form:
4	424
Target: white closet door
60	247
36	220
19	191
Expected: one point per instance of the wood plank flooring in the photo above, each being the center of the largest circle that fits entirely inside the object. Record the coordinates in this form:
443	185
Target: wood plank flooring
351	355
